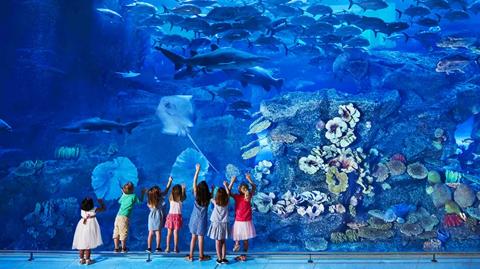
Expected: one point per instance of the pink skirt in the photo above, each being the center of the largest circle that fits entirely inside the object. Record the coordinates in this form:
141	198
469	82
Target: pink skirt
174	221
243	230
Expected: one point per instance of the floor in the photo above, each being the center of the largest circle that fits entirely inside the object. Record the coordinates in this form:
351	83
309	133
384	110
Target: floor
68	260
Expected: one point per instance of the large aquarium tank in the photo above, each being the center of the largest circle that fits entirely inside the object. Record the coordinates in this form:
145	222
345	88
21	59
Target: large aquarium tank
359	120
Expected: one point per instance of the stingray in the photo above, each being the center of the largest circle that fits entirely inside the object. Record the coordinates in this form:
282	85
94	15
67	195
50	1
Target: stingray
176	114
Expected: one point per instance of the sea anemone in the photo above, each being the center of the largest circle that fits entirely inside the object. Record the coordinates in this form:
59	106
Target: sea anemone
452	220
396	167
347	139
310	164
438	133
417	170
320	125
336	128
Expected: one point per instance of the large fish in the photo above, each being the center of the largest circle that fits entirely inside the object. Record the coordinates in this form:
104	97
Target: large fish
5	126
257	76
222	58
98	124
176	114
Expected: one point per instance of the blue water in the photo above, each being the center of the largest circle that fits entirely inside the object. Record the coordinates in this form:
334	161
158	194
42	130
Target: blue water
391	101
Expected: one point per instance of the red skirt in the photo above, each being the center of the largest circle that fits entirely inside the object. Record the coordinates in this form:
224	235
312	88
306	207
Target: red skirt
174	221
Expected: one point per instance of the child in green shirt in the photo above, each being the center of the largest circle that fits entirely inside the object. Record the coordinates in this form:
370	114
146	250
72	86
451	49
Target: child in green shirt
127	201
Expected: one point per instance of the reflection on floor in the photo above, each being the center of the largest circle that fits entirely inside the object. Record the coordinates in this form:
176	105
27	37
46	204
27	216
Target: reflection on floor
68	260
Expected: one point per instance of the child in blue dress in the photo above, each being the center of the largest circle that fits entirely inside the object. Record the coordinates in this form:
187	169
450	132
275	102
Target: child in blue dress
198	219
219	229
156	219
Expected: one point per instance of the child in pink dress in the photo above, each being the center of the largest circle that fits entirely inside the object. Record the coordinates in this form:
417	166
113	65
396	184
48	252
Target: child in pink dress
174	218
243	228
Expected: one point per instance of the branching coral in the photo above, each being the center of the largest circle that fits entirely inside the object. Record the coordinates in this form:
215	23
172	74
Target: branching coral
307	203
263	202
28	168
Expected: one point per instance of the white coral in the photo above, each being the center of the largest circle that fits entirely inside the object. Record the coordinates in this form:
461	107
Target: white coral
336	128
349	114
310	164
263	202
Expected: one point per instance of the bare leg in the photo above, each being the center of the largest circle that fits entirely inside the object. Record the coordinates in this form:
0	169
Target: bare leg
245	245
81	254
115	242
224	249
218	248
149	240
87	254
192	245
169	236
175	240
124	243
158	237
200	246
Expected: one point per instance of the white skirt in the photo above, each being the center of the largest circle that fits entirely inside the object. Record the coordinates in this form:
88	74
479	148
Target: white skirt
87	236
243	230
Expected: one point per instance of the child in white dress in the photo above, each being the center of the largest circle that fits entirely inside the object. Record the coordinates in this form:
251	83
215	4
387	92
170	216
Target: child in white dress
87	234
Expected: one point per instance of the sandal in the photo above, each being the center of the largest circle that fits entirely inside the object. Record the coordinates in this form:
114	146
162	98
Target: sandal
236	248
124	250
189	258
116	250
88	261
241	258
82	261
204	258
167	250
158	250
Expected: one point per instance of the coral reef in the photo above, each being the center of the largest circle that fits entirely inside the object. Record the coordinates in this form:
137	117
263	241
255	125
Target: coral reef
28	168
50	218
263	202
396	167
261	170
231	171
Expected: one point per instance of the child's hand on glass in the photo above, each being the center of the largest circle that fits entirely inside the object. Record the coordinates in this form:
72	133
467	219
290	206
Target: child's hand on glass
183	186
197	167
225	183
170	179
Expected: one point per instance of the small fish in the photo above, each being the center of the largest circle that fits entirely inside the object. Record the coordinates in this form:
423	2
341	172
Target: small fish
428	22
456	15
240	113
129	74
452	64
112	15
227	93
185	9
456	42
319	10
414	11
141	8
368	4
238	105
435	4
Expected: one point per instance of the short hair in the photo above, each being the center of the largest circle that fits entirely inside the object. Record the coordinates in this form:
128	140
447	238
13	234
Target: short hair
87	204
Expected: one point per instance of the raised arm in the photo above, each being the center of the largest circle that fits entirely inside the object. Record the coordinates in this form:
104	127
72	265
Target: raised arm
225	184
184	192
102	206
254	186
195	178
144	190
229	187
167	189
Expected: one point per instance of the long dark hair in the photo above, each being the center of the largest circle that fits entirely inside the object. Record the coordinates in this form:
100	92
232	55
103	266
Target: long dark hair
221	199
154	196
177	194
203	194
